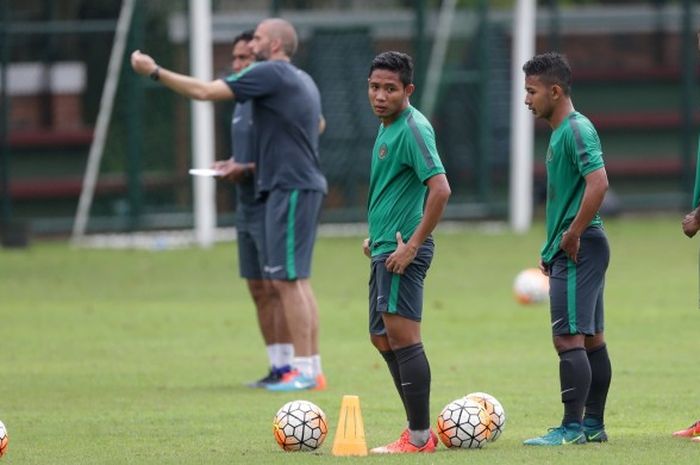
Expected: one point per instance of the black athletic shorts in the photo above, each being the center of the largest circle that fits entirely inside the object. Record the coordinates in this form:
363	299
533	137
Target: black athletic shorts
398	294
291	220
576	289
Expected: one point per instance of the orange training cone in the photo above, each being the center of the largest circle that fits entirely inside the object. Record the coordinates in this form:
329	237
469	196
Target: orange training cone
350	434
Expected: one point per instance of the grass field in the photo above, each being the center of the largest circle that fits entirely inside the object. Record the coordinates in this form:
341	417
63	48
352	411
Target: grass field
114	357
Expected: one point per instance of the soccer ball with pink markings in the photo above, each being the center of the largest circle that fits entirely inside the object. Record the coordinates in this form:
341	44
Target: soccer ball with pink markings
495	410
531	286
300	425
3	439
463	423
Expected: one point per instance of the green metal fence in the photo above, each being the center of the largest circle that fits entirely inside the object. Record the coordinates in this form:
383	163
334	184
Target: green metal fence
638	85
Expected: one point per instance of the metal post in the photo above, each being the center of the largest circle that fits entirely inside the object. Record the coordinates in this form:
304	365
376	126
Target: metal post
554	29
522	122
688	51
420	48
135	89
433	79
6	206
202	122
48	55
485	120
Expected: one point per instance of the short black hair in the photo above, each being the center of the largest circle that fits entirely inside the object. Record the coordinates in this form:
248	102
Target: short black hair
552	68
245	36
398	62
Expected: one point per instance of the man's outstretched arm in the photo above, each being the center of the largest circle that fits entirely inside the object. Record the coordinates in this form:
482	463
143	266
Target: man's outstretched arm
185	85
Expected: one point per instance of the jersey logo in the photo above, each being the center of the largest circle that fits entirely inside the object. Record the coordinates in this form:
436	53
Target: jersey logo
383	151
549	154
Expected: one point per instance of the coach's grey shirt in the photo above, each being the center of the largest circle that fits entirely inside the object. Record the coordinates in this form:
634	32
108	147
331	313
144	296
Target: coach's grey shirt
243	144
286	116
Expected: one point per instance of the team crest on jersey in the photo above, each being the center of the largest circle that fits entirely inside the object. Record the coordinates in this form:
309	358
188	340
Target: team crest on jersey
383	151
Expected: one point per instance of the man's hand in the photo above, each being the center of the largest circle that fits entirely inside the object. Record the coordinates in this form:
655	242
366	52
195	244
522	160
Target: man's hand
690	224
404	254
230	170
365	248
570	243
143	64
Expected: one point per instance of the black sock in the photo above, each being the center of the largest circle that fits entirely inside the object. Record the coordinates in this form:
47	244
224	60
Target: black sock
393	364
575	380
601	374
415	382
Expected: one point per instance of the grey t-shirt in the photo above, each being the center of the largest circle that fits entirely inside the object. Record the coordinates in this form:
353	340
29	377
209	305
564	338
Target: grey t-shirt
286	116
242	134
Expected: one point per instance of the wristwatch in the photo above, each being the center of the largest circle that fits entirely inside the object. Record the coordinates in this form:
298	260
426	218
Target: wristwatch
155	74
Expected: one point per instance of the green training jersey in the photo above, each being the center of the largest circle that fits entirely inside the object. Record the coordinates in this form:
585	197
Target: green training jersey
696	191
574	151
404	157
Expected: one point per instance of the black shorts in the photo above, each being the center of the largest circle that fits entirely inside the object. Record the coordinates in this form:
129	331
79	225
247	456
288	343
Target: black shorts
291	220
395	293
576	289
250	232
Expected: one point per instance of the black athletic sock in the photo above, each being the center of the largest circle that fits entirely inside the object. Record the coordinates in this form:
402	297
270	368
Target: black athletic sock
415	382
575	380
393	364
601	375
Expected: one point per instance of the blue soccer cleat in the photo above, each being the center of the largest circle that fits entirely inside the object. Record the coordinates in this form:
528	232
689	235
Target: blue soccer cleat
594	430
296	382
560	436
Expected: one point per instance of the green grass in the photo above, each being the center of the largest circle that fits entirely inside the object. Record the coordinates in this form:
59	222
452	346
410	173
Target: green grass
114	357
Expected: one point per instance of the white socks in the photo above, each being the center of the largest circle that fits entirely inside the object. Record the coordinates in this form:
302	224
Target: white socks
280	355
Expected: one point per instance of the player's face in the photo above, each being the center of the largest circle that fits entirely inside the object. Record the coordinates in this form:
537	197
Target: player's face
387	94
538	97
241	55
261	43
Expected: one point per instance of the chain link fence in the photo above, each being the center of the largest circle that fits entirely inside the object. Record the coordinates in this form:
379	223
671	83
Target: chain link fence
630	83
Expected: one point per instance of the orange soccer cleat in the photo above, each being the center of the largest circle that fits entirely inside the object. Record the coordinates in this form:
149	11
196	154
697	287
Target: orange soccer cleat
321	383
404	446
690	432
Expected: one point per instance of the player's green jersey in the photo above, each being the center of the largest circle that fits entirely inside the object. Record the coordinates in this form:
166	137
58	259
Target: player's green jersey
574	151
696	191
403	158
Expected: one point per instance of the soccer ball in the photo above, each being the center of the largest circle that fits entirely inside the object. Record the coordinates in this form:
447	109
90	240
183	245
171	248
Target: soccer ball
463	423
531	286
3	439
300	425
495	410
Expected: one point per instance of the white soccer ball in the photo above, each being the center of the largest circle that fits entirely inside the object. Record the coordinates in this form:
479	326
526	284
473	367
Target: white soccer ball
3	439
531	286
300	425
495	410
463	423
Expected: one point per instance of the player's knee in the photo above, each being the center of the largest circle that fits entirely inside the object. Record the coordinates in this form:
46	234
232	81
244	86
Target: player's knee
380	342
568	342
595	342
257	289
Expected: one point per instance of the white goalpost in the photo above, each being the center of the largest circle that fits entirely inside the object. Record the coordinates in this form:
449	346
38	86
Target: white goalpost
521	121
202	123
